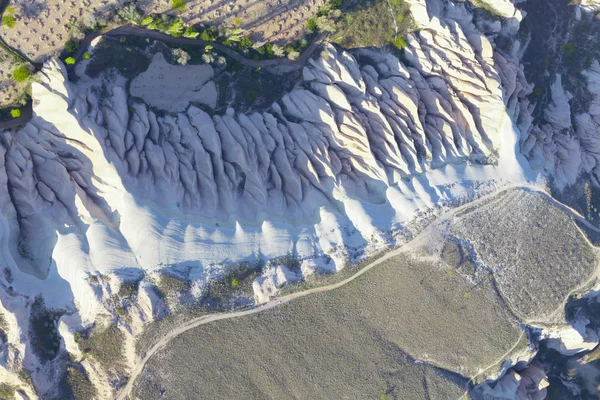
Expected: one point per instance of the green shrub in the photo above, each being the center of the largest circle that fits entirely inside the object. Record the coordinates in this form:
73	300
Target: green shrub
311	24
80	384
25	377
21	74
170	284
178	5
130	13
269	49
86	56
208	35
400	43
7	392
238	21
374	23
70	61
245	41
487	7
569	49
129	289
147	21
9	20
105	345
16	113
190	33
176	28
122	311
70	46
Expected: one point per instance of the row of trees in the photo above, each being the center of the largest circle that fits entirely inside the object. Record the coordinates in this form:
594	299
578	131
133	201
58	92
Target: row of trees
235	37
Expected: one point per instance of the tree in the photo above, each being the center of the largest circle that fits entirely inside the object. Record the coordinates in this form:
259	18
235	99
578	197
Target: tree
208	58
70	61
208	35
9	17
182	56
131	13
70	46
190	33
93	22
400	43
178	5
278	51
147	21
176	28
16	113
325	24
292	55
21	74
9	20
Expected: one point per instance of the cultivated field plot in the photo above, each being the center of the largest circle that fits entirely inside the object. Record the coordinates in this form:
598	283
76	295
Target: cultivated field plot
535	251
43	27
359	341
267	20
10	90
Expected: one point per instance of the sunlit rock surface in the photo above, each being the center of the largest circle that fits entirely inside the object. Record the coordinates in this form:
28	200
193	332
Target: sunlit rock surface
95	193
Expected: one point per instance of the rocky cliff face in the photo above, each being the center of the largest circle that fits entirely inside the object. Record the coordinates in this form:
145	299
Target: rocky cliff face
97	193
561	59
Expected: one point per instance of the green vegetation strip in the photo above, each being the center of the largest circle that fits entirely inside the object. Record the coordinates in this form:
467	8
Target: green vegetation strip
374	23
7	392
105	345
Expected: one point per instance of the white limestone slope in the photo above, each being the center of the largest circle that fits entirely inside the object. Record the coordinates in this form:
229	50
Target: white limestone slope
590	5
329	174
568	143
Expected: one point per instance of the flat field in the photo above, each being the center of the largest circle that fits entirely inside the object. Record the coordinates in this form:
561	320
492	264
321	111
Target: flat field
417	326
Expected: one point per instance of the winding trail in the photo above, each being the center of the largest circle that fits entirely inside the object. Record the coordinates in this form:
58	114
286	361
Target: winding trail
132	30
422	236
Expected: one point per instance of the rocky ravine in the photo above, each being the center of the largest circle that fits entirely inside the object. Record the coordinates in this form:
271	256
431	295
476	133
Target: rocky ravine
98	193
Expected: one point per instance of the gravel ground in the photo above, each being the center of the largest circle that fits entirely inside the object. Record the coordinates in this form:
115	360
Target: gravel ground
359	341
10	90
415	327
537	254
44	26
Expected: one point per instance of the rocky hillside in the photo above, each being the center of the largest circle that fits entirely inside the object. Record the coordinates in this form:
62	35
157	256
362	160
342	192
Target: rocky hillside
114	213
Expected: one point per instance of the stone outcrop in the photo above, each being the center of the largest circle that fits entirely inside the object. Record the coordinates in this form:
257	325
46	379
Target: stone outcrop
92	188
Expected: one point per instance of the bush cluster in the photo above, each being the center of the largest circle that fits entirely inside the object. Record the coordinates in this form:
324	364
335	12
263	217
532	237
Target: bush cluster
374	23
21	73
178	5
9	18
104	344
7	391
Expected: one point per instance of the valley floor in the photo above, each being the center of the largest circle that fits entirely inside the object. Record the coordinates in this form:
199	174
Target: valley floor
414	324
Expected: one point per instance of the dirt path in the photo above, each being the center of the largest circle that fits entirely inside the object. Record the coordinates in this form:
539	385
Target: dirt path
140	363
26	115
147	33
